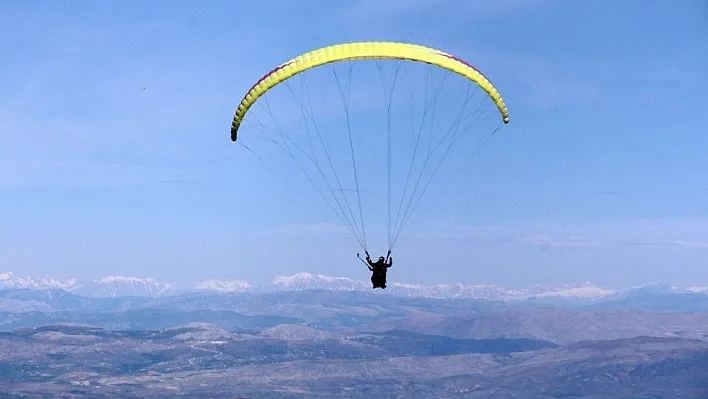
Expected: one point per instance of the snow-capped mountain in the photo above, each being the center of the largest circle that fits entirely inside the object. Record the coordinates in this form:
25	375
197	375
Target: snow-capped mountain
9	281
585	290
223	285
655	288
698	290
117	286
458	290
308	281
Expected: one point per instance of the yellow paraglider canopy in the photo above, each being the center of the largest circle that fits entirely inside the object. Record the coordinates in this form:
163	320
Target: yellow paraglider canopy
364	50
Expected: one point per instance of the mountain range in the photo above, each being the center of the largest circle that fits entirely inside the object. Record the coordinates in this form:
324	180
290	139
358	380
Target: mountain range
308	335
120	286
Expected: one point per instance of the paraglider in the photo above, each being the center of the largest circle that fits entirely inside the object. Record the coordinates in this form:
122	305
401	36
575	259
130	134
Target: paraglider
379	269
317	135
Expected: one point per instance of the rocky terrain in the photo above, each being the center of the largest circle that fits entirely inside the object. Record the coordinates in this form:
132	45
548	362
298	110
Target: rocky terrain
643	343
297	361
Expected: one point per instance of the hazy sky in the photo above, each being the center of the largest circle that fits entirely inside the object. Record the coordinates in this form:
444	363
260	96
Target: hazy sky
115	155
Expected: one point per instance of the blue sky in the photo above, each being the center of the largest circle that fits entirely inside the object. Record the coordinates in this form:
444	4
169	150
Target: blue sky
115	156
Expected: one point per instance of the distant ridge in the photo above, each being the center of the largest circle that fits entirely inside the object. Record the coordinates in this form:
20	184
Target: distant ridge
121	286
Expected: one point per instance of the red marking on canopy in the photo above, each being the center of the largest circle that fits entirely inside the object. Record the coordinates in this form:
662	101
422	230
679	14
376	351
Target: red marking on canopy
276	69
462	61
